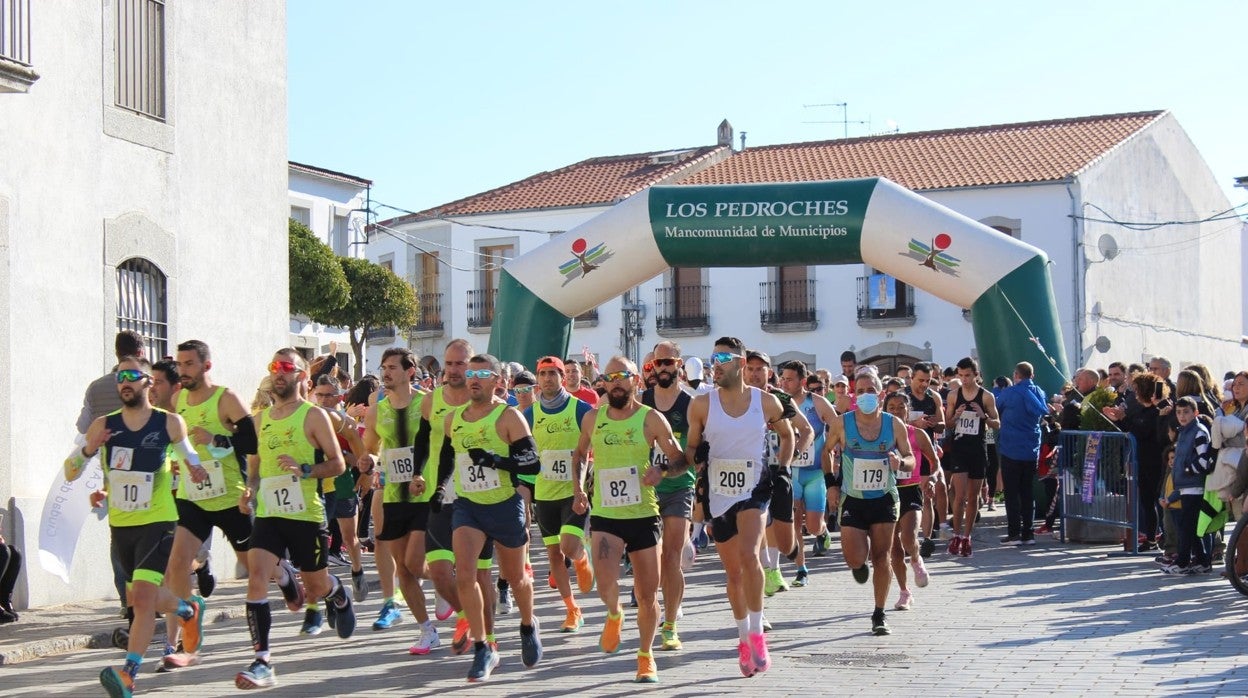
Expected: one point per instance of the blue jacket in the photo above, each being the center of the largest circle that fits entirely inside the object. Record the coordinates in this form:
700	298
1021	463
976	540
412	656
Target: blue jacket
1021	406
1191	456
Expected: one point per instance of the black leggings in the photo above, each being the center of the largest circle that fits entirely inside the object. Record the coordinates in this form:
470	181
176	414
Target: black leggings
10	567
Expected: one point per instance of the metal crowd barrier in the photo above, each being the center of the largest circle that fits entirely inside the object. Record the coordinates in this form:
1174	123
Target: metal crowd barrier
1099	475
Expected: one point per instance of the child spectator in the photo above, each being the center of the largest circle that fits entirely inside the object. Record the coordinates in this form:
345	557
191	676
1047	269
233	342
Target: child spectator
1192	462
1170	510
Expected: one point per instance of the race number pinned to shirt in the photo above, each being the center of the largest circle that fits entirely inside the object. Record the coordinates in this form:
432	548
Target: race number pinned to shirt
120	457
130	491
804	459
967	424
557	465
212	486
731	478
870	474
283	495
400	465
473	477
621	487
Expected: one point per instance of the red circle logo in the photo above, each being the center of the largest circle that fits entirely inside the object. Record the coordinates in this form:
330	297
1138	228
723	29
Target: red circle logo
942	241
578	246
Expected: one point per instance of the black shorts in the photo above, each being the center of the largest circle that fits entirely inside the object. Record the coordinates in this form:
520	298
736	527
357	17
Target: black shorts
864	513
970	459
724	528
342	507
637	534
911	498
233	523
556	517
307	541
143	551
781	508
401	518
438	539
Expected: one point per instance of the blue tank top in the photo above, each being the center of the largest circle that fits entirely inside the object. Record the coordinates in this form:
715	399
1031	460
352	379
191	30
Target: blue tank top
817	425
863	476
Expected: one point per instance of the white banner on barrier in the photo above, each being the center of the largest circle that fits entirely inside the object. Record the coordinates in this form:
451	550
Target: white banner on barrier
65	510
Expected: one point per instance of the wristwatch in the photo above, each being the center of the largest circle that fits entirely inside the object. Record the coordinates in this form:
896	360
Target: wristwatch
306	470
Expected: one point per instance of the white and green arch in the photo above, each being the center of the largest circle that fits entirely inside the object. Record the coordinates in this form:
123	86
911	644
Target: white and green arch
1004	281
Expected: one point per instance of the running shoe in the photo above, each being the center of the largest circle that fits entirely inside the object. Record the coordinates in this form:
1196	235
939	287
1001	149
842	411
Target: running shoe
1179	570
531	644
178	660
193	627
205	580
484	661
647	670
359	587
459	641
771	581
822	544
745	660
1027	541
946	531
389	616
632	598
550	579
992	506
427	641
955	546
573	621
344	615
505	604
1011	539
584	574
313	622
609	642
671	639
802	578
879	625
965	550
927	547
766	625
118	683
758	653
687	556
1044	529
293	590
903	603
862	574
259	675
1203	569
920	572
442	608
1164	560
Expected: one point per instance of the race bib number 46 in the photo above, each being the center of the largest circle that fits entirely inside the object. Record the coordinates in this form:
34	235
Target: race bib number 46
557	466
130	491
870	474
473	477
621	487
732	478
212	486
283	495
400	465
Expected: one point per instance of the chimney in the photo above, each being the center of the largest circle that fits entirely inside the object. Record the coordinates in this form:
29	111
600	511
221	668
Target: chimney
723	135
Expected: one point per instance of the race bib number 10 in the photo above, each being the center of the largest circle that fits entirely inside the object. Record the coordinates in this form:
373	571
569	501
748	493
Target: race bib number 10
130	491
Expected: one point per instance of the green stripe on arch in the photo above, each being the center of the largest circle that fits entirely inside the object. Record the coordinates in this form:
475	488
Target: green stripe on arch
526	327
1009	314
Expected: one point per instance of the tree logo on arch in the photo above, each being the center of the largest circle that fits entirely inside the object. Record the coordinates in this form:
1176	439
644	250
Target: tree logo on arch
932	255
584	259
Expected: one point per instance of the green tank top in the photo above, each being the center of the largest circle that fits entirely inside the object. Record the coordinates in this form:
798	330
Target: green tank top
395	458
225	483
621	456
478	483
556	436
282	494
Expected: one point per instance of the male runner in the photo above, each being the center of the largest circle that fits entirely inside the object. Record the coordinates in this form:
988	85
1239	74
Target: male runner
733	420
809	493
556	423
873	449
626	517
971	410
282	487
390	428
926	414
141	511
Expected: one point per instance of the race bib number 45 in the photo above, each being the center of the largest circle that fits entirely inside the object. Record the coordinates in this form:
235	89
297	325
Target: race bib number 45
283	495
557	466
473	477
732	478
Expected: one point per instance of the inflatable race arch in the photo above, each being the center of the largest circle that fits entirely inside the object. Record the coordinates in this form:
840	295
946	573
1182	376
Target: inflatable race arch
1005	282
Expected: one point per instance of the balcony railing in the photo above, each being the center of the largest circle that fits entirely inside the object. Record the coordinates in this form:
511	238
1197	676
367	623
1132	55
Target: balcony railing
430	317
683	308
481	307
380	334
884	302
787	304
589	318
15	30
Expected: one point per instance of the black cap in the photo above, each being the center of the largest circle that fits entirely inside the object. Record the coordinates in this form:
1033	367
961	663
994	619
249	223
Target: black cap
524	378
752	354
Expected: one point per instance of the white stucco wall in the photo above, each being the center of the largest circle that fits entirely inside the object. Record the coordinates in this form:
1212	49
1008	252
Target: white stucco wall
203	194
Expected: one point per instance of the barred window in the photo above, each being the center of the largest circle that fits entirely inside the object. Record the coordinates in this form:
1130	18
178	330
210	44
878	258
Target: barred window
140	72
142	304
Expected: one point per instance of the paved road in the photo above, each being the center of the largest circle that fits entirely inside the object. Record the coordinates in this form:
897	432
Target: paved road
1065	620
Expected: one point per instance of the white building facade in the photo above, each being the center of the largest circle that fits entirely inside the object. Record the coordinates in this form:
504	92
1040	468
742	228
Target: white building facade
147	195
1175	290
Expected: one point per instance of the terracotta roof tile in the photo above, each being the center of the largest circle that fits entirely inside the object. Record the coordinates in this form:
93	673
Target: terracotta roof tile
1037	151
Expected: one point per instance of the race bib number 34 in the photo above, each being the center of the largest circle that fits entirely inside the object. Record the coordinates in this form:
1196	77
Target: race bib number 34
731	478
870	474
557	466
130	491
212	486
473	477
621	487
283	495
400	465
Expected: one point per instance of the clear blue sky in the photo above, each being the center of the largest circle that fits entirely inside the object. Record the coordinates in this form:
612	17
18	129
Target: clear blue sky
436	101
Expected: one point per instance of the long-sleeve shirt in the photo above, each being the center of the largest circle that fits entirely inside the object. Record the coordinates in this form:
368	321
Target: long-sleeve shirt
1021	406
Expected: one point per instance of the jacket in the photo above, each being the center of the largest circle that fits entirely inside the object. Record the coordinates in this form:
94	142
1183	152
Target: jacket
1021	406
1192	461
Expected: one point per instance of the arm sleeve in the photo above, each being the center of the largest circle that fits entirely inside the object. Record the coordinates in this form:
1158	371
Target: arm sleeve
245	440
420	446
446	461
522	458
186	451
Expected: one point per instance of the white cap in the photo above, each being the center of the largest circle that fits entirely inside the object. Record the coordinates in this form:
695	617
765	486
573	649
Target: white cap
840	379
693	368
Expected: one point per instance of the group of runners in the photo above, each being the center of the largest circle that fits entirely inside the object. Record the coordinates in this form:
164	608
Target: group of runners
463	473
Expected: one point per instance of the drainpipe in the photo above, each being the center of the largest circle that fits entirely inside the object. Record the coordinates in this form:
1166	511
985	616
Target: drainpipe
1079	272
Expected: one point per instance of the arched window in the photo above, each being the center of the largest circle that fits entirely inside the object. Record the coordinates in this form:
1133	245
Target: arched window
142	304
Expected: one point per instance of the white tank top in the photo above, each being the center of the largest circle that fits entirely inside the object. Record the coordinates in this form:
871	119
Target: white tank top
737	458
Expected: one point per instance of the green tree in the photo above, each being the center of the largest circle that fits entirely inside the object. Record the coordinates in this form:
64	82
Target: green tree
378	298
317	282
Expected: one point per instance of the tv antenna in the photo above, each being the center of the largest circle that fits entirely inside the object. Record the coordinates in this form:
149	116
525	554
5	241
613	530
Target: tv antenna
844	120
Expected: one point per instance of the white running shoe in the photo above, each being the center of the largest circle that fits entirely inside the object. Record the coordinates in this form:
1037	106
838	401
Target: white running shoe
428	640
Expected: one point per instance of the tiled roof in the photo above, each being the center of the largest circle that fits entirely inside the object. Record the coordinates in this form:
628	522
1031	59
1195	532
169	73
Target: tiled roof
1037	151
329	174
595	181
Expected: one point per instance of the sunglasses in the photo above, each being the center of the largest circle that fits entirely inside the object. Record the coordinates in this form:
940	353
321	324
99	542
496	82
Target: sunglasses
523	389
130	375
479	373
665	362
723	357
283	367
325	396
816	388
618	375
648	367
